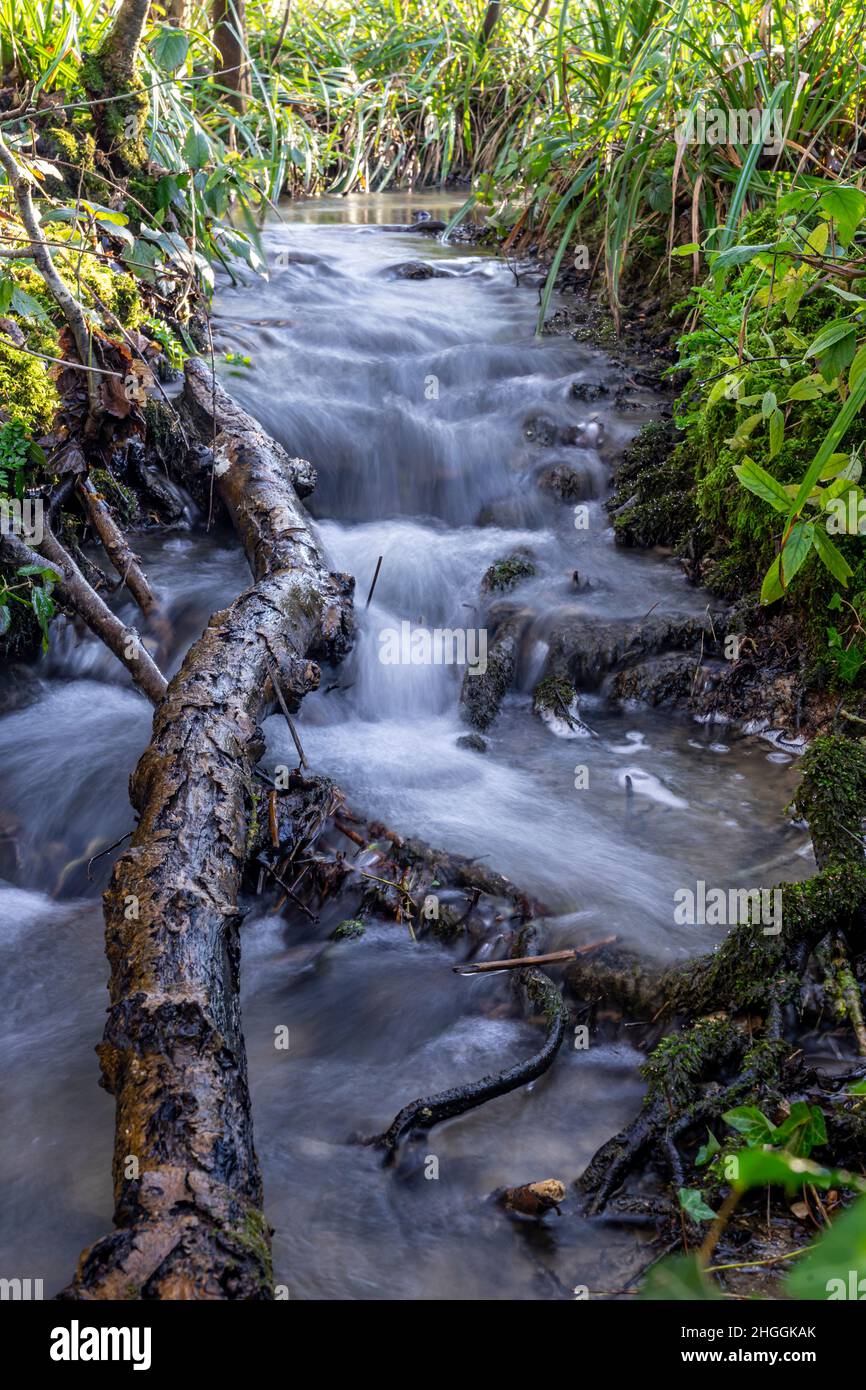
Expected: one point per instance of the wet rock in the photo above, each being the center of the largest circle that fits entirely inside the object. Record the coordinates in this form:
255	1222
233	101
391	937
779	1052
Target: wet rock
304	476
584	651
653	498
507	573
671	679
430	226
589	434
589	390
483	692
415	270
473	741
557	704
569	484
541	430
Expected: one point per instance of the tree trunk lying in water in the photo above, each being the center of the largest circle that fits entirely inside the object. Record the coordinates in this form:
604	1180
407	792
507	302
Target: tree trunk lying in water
188	1194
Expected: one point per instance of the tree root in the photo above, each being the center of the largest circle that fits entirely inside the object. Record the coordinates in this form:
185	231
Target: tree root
187	1185
542	994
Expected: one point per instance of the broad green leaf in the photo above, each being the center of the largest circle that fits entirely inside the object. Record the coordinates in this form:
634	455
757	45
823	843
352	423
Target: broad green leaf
847	207
169	47
24	304
763	484
693	1204
738	255
796	550
196	149
834	435
748	1119
805	390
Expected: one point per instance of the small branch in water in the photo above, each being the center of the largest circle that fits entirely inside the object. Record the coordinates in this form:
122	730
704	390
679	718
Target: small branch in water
284	707
375	578
554	958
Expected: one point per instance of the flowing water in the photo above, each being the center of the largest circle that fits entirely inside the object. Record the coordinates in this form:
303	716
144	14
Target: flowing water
419	401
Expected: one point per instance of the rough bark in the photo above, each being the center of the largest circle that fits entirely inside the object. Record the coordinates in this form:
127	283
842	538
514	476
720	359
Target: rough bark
116	547
189	1222
111	73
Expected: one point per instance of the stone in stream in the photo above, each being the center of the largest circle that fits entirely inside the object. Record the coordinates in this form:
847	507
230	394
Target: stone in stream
483	692
583	651
557	704
506	574
571	484
415	270
662	680
473	741
588	390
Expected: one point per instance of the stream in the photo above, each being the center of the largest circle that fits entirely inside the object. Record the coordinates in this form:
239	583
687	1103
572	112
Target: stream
418	400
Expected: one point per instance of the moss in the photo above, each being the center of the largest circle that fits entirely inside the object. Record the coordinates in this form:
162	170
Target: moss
350	930
653	499
507	573
555	694
121	497
120	123
678	1061
832	798
27	392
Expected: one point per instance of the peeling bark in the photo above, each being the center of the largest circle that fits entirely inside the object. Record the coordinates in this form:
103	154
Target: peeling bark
188	1214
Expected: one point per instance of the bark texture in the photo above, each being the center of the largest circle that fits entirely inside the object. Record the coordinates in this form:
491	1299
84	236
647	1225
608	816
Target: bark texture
189	1221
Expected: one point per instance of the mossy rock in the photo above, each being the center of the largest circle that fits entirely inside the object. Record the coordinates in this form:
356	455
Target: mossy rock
507	573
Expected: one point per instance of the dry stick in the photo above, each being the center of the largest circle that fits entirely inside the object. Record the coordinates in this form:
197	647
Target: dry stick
284	707
552	959
62	295
75	592
117	547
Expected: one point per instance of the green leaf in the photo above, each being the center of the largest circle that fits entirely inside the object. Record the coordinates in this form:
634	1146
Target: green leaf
847	207
7	288
806	389
849	410
708	1150
738	255
835	1256
693	1204
169	47
196	149
24	304
677	1279
831	557
688	250
762	484
758	1167
796	550
748	1119
5	618
777	431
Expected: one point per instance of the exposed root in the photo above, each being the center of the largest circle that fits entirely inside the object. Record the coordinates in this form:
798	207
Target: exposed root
542	994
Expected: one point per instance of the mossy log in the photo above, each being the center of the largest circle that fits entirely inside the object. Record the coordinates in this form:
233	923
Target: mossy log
189	1223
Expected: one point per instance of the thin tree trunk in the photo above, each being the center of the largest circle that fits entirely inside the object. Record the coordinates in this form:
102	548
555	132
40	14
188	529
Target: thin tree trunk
232	70
112	72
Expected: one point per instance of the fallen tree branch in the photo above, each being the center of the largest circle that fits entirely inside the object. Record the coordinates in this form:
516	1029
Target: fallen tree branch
189	1208
116	546
77	595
